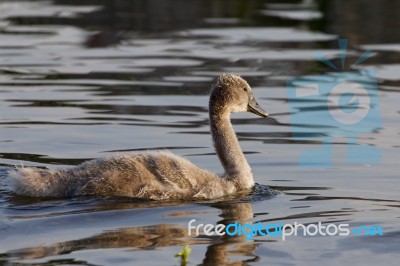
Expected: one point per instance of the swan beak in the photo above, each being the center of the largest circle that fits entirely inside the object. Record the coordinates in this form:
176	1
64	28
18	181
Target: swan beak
254	108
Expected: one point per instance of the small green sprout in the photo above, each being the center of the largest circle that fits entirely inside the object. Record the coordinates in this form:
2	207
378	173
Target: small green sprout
184	254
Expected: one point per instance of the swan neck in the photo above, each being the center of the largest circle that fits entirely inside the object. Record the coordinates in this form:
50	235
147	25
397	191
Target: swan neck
228	149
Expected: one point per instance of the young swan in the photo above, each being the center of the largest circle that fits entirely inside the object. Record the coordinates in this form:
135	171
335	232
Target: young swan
158	175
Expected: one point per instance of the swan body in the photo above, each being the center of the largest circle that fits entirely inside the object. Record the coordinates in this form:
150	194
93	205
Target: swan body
158	175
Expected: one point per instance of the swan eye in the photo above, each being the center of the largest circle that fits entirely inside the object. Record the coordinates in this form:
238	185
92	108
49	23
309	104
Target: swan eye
245	89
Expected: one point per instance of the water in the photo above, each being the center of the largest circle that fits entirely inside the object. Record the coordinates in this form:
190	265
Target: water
85	79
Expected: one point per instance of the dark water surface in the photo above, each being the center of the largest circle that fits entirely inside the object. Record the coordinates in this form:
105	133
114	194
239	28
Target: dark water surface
85	79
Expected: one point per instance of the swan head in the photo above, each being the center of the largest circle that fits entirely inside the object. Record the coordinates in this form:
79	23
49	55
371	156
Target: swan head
231	93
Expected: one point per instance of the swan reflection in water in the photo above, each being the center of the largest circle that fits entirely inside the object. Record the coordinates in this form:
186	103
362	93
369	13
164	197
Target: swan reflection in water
221	250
